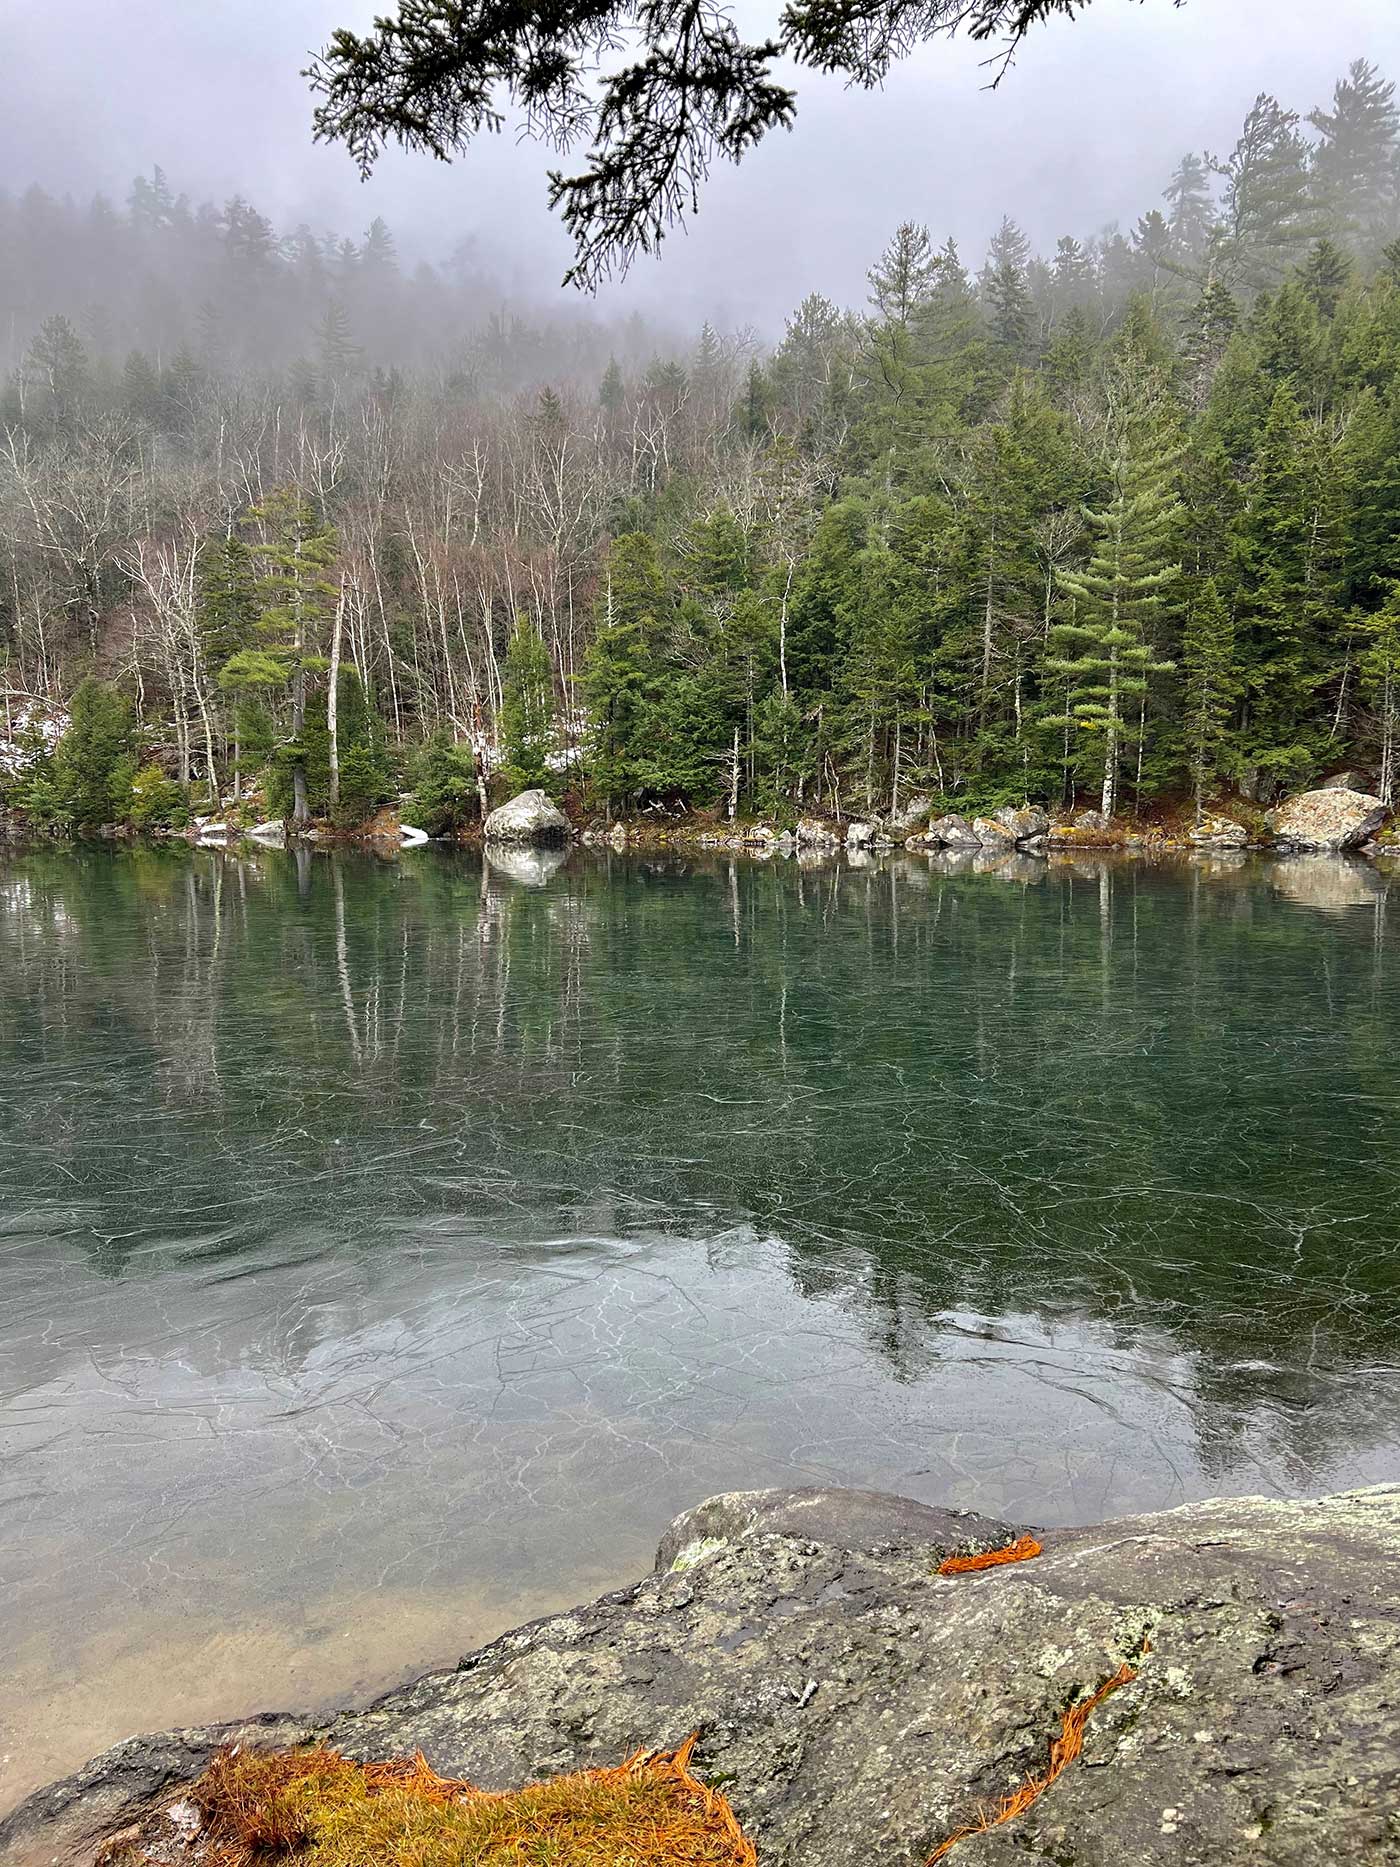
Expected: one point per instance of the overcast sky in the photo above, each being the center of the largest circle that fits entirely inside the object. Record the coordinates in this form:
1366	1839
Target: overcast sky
1082	132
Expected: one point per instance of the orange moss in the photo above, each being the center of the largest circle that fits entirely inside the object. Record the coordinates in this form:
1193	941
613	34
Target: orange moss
315	1808
1063	1751
1022	1550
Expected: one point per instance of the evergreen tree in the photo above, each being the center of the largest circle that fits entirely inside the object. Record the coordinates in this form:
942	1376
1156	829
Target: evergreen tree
1267	213
1289	548
1105	652
1190	207
1354	165
619	675
527	711
1010	310
1212	689
95	761
1380	671
293	551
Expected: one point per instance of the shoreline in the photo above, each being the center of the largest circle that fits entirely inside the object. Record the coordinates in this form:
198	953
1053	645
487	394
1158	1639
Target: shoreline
858	1672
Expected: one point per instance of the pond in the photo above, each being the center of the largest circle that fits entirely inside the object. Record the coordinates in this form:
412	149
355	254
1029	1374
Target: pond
390	1249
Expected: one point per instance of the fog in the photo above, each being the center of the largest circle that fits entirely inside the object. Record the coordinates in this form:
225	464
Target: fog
1081	133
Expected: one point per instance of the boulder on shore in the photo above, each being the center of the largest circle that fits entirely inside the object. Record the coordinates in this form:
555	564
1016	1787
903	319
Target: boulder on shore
856	1705
952	832
913	812
812	833
1328	819
532	817
1009	827
1218	833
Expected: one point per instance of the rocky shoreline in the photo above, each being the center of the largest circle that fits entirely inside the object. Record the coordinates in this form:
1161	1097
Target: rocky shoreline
855	1705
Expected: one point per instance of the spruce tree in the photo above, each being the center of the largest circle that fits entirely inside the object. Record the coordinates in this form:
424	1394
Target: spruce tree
620	670
527	711
293	551
1212	688
1354	165
1010	310
1105	651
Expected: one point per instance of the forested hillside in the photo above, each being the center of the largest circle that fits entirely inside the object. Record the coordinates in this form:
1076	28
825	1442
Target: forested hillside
1116	522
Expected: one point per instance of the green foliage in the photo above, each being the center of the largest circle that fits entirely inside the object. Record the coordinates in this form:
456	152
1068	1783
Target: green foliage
527	712
94	763
1104	651
444	797
157	801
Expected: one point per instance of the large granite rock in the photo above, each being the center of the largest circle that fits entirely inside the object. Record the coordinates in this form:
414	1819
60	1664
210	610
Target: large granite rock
856	1706
1329	819
1008	827
532	817
812	833
1218	833
914	811
953	832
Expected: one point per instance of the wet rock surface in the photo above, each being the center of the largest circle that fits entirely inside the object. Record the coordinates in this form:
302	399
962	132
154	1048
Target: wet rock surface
856	1706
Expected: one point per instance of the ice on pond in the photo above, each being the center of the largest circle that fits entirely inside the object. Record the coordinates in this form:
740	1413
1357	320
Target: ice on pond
390	1249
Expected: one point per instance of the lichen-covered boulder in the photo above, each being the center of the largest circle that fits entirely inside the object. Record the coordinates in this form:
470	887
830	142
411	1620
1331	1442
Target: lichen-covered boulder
913	812
1218	833
532	817
953	832
1328	819
812	833
1009	827
861	835
857	1705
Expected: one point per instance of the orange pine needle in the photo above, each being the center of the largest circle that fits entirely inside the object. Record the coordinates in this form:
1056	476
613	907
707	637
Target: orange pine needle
1064	1750
1020	1551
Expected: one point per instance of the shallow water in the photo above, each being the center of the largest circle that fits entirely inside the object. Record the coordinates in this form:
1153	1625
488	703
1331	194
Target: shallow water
389	1250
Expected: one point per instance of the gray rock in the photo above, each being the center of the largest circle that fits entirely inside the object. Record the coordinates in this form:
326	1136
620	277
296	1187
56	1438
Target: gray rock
1328	819
532	817
954	832
1218	833
992	834
812	833
1023	824
861	835
1363	781
856	1706
910	815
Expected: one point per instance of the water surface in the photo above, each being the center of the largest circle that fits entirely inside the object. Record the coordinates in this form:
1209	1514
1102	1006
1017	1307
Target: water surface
388	1250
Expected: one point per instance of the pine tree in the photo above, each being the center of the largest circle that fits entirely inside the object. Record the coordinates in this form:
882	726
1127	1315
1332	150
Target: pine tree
1105	654
1267	214
527	711
1190	207
56	373
1010	310
1209	326
293	551
1354	165
619	675
335	346
1212	689
95	761
611	390
1325	277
